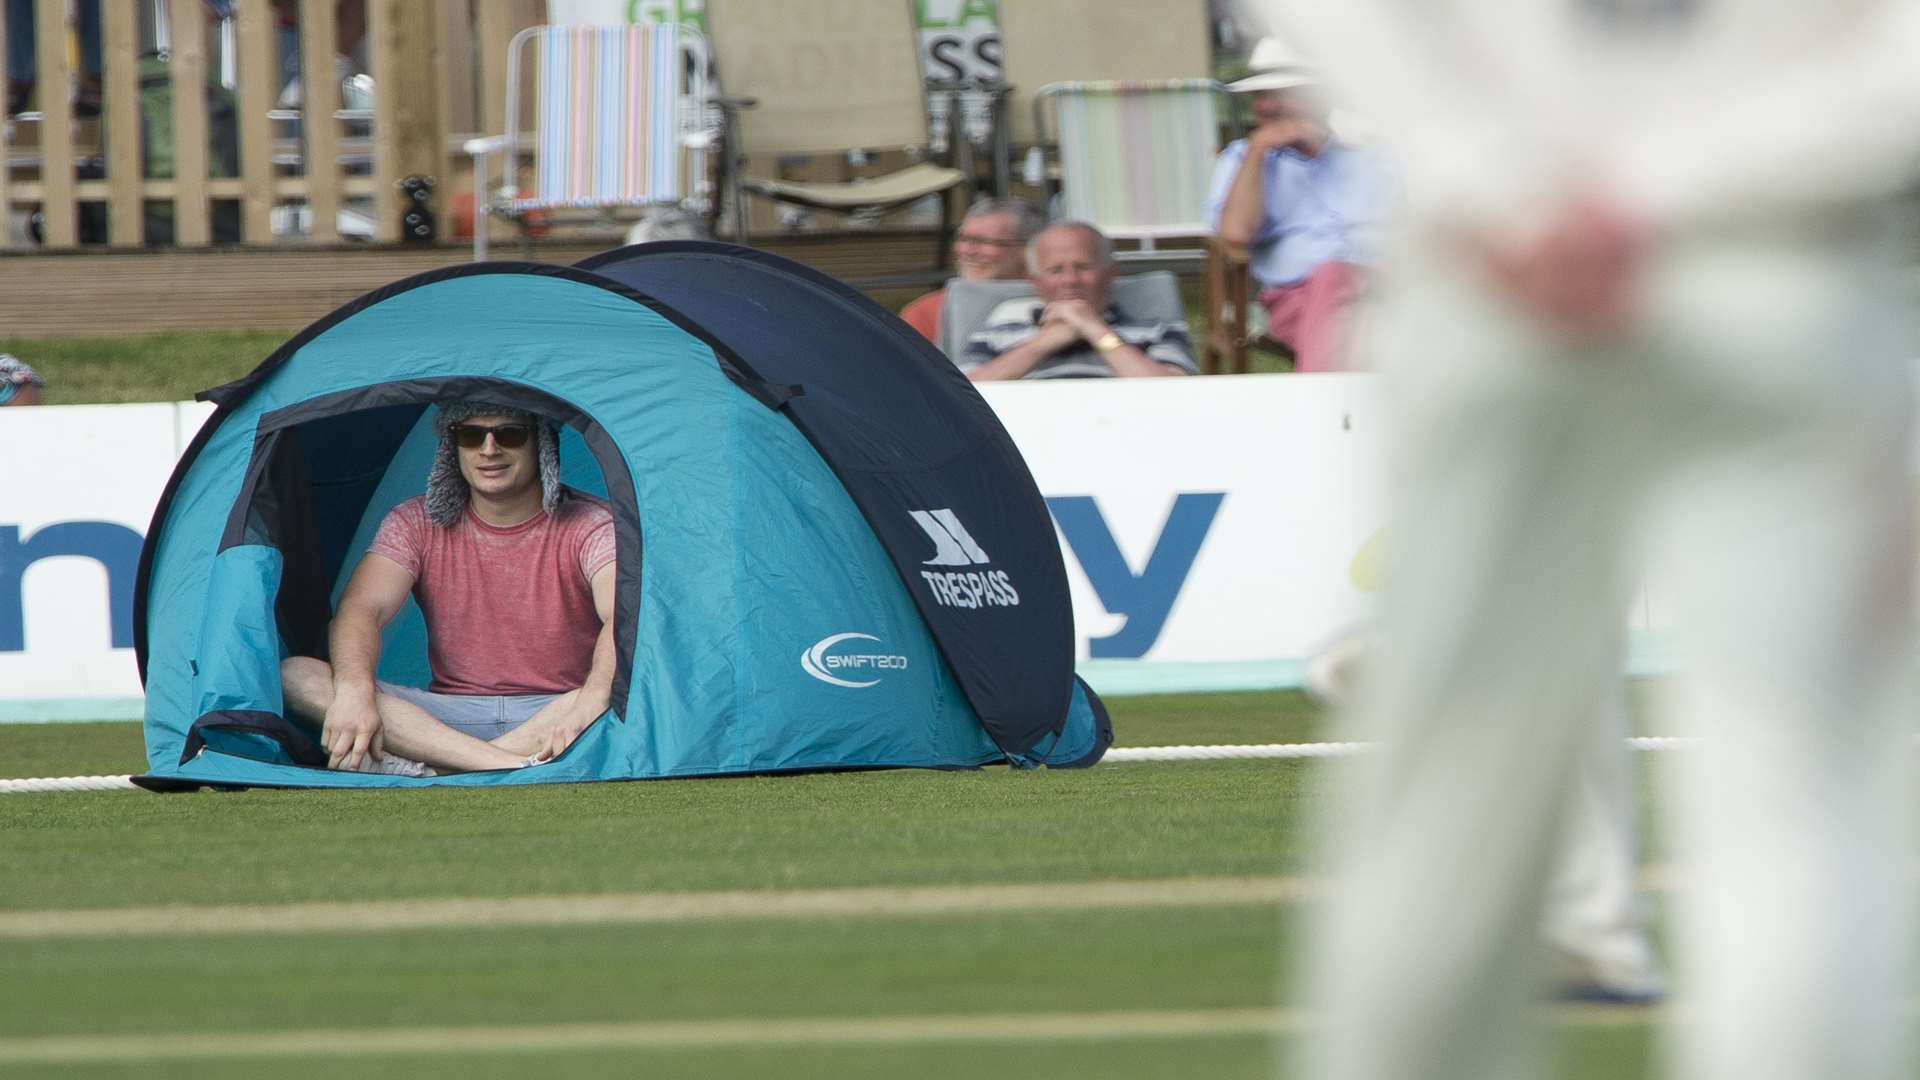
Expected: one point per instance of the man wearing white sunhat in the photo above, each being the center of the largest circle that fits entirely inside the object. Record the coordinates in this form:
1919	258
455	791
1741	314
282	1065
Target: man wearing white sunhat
1306	204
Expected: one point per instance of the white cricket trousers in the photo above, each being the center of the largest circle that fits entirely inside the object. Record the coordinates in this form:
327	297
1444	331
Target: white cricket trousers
1760	420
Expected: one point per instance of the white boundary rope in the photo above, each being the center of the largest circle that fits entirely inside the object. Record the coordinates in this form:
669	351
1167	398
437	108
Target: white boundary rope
1121	754
69	783
1118	755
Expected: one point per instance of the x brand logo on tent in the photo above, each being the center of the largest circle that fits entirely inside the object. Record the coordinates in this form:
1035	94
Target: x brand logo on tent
952	544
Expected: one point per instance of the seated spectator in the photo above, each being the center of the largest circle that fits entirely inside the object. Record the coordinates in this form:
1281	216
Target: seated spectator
19	384
1304	203
990	246
514	575
1068	329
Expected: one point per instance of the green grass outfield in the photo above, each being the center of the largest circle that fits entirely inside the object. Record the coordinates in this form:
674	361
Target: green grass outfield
1117	922
177	364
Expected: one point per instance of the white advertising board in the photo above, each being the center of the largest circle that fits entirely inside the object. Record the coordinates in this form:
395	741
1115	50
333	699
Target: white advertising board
81	485
1237	508
1203	521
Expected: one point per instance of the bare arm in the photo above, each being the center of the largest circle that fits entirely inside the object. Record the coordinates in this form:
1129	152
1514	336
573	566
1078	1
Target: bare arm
1244	209
1129	361
1126	360
373	596
576	711
597	691
1016	362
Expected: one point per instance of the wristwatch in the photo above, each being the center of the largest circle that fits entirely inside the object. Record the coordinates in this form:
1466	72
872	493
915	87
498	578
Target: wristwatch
1108	342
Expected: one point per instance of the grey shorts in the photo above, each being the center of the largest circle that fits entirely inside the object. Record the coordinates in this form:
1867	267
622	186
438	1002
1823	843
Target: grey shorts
484	716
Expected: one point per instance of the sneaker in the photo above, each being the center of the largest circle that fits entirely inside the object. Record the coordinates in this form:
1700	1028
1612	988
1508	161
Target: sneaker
394	765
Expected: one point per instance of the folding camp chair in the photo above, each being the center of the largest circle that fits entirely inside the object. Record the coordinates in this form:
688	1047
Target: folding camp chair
1135	158
1229	295
1098	40
621	115
1149	297
827	77
1126	119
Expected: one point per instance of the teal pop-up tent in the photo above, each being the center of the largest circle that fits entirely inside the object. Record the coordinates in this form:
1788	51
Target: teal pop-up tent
830	554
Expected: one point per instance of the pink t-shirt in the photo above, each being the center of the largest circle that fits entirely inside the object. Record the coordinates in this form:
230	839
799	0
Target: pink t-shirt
508	611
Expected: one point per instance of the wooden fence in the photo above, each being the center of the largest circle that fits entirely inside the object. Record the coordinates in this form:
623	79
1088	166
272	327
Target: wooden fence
438	69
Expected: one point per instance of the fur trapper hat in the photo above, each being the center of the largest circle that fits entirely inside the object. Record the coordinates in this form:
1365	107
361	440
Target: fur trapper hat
447	489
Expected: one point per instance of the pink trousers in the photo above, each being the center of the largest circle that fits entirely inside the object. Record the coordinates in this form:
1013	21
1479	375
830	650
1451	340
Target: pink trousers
1311	315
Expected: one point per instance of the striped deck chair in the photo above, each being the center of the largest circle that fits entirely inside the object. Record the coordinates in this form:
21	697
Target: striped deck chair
617	110
1135	158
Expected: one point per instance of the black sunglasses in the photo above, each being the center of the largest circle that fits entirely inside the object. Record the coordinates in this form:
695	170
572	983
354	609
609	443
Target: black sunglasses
505	436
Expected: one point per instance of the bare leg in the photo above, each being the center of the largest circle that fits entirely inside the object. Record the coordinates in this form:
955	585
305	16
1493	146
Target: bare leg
531	737
410	731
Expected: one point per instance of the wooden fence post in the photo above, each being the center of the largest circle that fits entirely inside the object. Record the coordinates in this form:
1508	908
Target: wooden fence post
126	210
319	98
407	139
188	69
495	24
56	124
454	30
259	84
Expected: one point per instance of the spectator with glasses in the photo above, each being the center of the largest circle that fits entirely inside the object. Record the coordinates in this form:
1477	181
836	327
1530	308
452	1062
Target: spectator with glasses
990	246
514	575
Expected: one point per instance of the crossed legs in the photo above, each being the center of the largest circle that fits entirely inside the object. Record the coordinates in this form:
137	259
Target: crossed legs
410	731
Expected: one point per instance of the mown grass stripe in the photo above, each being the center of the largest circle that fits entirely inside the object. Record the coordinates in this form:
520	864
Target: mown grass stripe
639	908
657	1034
672	907
708	1034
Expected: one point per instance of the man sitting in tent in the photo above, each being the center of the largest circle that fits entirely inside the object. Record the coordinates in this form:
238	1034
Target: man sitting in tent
1068	329
514	574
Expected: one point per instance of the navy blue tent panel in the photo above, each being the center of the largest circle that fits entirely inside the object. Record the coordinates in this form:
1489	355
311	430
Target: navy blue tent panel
919	451
804	580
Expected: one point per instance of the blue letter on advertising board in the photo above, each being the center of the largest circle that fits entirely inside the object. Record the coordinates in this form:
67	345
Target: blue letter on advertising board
1144	598
115	547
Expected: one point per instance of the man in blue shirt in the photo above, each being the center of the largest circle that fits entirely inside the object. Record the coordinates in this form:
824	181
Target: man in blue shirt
1304	203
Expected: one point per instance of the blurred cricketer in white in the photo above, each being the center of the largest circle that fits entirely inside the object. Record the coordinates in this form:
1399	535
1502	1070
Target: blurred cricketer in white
1646	267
